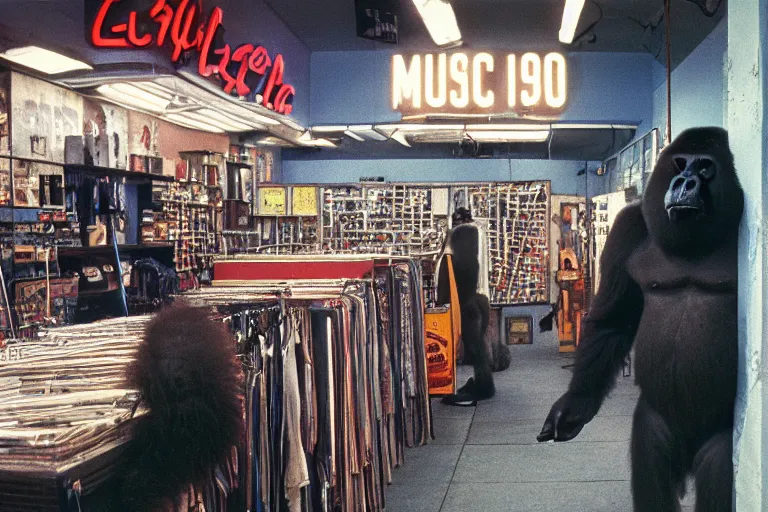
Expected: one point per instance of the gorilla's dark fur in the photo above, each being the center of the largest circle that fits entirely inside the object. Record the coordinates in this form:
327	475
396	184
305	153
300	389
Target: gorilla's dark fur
668	286
189	378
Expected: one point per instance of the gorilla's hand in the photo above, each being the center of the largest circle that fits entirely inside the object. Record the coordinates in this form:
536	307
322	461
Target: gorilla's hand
567	417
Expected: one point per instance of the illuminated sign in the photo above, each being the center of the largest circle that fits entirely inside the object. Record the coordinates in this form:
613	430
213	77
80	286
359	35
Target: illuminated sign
528	83
247	70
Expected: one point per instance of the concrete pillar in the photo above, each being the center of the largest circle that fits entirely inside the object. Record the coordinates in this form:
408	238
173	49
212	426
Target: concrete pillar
746	122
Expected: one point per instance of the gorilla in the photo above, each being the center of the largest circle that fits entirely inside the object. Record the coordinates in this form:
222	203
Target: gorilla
668	286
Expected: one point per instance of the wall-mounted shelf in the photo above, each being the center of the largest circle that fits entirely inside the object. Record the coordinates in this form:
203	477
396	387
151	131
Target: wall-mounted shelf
108	171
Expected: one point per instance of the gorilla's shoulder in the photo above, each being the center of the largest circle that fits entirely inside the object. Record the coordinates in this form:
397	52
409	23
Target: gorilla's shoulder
629	228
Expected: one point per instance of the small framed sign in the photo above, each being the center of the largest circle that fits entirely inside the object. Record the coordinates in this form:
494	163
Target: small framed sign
519	330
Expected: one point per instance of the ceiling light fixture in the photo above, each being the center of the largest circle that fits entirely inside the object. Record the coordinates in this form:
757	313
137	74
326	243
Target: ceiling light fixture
131	96
507	127
352	135
400	137
368	132
440	20
408	127
194	124
509	136
571	15
45	61
329	129
218	119
306	139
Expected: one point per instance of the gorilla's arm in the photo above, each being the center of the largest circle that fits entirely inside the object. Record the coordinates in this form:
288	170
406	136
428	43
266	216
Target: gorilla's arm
609	329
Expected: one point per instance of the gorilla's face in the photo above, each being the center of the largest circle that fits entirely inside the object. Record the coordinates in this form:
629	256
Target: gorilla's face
693	200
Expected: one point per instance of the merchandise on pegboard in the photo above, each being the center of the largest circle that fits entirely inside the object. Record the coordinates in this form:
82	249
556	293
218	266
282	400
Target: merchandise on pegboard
517	218
381	219
190	217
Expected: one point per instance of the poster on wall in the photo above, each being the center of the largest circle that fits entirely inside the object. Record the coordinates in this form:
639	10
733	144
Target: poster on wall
304	201
267	163
43	115
272	201
105	130
5	110
143	135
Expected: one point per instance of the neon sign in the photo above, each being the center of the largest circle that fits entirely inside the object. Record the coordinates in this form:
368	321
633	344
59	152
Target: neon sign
245	70
480	83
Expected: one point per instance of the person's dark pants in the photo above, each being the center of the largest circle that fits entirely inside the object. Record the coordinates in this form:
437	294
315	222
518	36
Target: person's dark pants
475	314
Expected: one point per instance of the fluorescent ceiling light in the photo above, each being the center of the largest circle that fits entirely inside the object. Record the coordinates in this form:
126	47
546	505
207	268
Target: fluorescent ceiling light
307	140
400	137
507	127
407	127
576	126
369	133
188	122
221	120
440	21
132	96
509	136
43	60
571	15
329	129
354	136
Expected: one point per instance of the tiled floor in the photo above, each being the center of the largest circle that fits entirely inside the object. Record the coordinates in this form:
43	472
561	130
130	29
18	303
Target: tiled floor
487	459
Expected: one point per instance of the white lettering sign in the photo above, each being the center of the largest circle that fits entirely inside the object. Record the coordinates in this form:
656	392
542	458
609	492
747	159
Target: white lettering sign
471	83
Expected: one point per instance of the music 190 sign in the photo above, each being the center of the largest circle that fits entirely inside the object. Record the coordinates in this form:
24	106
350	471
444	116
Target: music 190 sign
480	83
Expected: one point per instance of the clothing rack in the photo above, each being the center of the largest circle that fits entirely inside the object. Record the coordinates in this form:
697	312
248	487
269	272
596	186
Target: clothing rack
351	372
336	388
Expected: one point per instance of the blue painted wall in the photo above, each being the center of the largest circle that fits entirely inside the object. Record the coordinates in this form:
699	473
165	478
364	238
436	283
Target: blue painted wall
264	27
698	93
354	87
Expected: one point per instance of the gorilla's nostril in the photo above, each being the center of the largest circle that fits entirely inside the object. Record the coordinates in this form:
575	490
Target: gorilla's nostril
690	185
681	163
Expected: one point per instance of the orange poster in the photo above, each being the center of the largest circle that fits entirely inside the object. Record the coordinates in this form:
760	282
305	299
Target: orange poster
443	330
440	348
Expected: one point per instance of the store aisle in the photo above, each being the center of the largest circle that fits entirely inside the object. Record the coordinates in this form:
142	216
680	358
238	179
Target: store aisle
487	459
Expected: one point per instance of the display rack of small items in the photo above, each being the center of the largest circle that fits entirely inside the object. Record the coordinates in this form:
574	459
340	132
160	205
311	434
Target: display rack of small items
190	217
518	237
389	219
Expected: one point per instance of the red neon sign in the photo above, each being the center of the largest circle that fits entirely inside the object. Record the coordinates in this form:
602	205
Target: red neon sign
180	27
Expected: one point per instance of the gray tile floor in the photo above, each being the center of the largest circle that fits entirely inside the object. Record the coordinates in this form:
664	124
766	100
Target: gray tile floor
487	459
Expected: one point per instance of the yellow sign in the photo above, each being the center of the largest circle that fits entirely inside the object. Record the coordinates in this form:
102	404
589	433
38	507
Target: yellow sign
304	201
479	83
272	201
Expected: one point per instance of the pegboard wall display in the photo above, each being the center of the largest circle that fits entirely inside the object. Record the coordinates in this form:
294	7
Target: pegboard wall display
412	220
517	216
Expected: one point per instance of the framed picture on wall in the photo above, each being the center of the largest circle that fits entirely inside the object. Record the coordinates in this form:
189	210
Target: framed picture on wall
519	330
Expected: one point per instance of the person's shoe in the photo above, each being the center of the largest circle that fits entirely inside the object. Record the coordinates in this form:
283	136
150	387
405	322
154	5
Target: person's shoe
468	395
460	400
467	388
